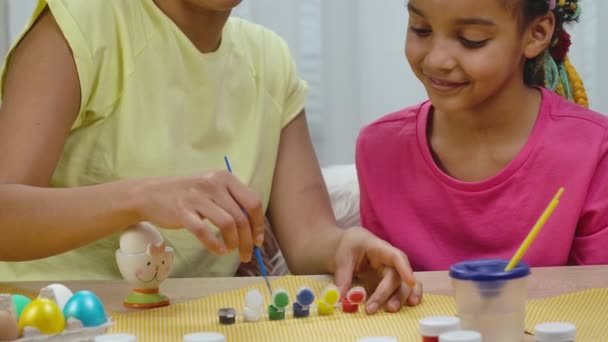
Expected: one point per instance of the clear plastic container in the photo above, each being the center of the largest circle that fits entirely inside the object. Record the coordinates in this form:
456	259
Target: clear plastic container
461	336
555	332
490	300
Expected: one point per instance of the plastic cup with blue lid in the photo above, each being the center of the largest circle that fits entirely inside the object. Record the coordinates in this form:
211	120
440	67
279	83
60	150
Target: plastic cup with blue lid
489	299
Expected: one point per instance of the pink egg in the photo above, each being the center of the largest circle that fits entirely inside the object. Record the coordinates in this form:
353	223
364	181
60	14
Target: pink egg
9	330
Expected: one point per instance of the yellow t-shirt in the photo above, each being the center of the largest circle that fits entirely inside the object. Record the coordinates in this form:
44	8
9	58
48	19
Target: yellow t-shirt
153	105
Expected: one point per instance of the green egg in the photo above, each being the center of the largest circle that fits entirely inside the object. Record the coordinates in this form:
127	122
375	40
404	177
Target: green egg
280	299
20	303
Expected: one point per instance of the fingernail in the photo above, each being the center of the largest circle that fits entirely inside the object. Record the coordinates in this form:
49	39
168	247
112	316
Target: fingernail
372	307
414	300
259	240
222	250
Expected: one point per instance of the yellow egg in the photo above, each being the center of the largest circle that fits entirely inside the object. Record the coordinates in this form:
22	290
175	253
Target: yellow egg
9	331
43	314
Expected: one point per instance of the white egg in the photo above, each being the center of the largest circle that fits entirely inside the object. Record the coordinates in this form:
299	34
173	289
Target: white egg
137	238
58	293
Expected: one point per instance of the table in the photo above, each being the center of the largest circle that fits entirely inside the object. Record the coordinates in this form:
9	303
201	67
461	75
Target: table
544	282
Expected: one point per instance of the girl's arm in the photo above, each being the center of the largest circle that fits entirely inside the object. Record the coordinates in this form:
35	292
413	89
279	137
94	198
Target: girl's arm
301	214
41	102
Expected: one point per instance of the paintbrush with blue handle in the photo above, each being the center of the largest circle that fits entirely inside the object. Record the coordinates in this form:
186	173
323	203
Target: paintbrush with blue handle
256	250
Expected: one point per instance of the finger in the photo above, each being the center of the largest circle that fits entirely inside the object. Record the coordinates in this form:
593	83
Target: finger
399	298
343	276
245	241
250	202
393	257
416	295
222	220
389	283
394	302
194	223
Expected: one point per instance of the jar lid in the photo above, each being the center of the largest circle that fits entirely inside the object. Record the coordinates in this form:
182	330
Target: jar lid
488	270
204	337
460	336
436	325
555	332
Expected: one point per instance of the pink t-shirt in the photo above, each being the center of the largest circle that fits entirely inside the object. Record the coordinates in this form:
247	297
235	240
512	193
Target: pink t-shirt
438	220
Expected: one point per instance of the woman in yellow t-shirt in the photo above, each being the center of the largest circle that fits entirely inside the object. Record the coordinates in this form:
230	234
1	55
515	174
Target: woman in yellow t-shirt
116	112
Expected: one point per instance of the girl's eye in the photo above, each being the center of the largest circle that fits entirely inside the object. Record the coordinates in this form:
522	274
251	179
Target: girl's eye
420	32
473	44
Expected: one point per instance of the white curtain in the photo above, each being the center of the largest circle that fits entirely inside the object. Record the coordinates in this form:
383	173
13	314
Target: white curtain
351	53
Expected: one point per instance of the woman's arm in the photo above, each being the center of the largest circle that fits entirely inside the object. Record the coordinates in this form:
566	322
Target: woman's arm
299	210
41	102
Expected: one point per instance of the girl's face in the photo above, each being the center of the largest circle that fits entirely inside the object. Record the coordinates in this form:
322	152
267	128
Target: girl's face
465	52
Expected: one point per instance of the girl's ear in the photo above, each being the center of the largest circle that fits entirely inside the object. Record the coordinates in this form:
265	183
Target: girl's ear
537	36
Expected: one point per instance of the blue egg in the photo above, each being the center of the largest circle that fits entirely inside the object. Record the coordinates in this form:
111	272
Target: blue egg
86	307
305	297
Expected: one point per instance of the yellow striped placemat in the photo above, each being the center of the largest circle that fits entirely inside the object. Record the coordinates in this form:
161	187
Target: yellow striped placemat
171	323
588	310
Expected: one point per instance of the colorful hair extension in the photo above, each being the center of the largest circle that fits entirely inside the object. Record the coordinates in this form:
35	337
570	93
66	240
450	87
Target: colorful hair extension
559	74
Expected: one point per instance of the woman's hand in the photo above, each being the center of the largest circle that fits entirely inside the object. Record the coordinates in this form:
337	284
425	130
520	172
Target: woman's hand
216	196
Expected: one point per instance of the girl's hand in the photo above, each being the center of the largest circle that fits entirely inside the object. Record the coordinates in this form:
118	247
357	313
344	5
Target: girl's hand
217	196
381	267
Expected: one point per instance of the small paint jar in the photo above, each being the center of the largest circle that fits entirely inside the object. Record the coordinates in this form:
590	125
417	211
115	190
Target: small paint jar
555	332
304	298
227	316
349	307
300	311
205	337
460	336
432	327
275	314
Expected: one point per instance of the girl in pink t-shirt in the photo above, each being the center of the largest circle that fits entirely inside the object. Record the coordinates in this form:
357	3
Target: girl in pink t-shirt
467	174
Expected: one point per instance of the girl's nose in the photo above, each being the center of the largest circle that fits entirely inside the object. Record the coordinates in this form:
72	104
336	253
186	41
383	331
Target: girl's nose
439	59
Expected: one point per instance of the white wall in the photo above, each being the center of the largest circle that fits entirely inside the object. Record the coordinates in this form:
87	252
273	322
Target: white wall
387	83
351	52
19	14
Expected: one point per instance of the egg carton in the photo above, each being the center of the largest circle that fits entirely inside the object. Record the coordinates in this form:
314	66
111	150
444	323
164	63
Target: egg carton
74	332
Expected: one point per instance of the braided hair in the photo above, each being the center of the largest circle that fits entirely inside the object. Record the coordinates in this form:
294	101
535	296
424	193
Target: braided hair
552	68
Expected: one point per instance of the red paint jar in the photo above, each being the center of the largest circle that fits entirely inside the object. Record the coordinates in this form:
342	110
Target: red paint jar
432	327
